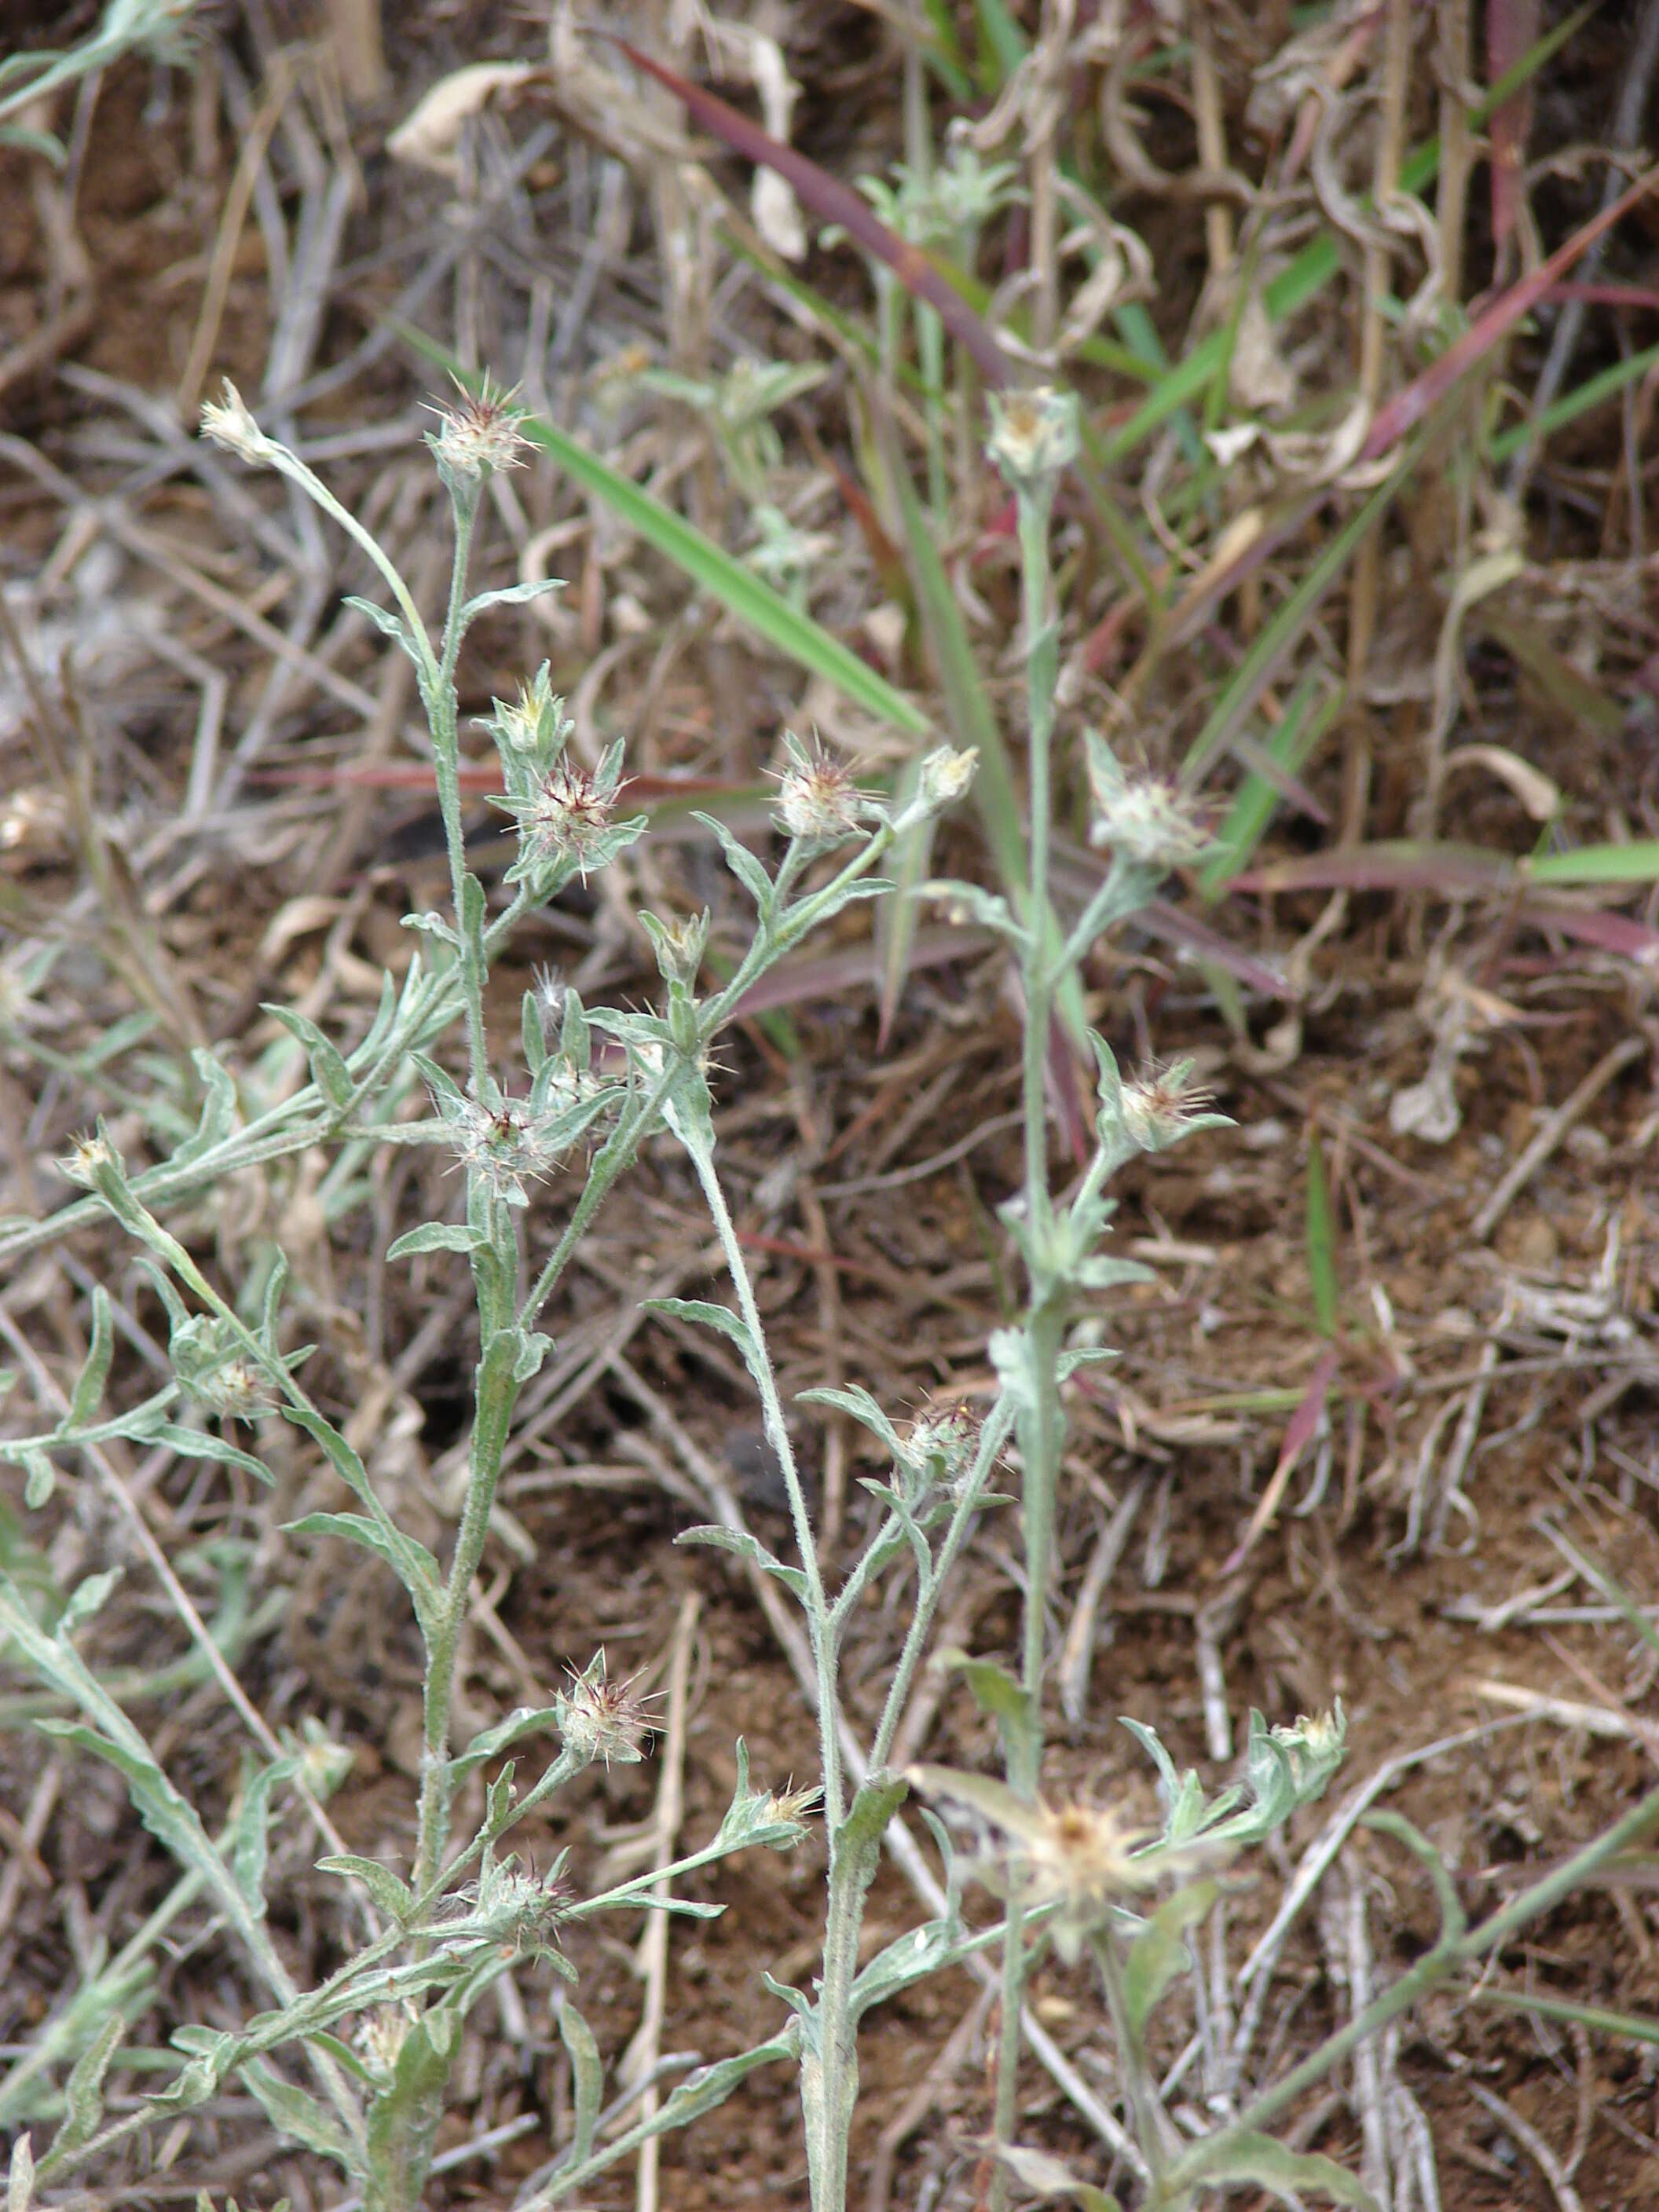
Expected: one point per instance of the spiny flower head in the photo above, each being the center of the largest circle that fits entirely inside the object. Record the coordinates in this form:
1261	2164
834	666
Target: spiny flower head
818	801
509	1906
1143	820
600	1718
503	1140
478	432
945	1437
85	1156
567	817
790	1806
1163	1104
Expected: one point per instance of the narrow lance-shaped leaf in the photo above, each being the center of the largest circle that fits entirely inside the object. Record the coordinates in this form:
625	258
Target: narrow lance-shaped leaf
1321	1239
587	2077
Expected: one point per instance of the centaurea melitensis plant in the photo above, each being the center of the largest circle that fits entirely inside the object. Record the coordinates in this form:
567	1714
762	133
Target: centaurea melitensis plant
380	2037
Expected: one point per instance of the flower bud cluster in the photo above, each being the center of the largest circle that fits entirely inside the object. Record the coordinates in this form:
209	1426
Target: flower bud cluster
531	731
679	946
1314	1745
215	1368
566	812
943	778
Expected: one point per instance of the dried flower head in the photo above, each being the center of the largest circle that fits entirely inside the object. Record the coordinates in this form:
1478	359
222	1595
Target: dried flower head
478	432
552	993
229	422
1142	818
790	1806
1034	437
1078	1859
818	801
602	1719
1163	1104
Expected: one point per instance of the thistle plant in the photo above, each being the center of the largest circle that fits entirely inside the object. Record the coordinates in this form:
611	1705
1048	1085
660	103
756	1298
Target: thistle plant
435	1938
380	2037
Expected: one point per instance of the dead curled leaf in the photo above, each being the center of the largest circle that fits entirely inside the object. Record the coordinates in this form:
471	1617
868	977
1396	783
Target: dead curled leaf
1537	793
430	133
1136	168
1302	459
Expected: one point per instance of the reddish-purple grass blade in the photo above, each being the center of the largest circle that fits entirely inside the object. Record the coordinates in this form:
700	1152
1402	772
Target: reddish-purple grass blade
1303	1423
1408	408
831	201
1402	863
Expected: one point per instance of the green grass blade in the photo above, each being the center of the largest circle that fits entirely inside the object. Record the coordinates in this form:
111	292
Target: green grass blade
1002	45
910	863
1636	863
1321	1239
1571	692
714	570
944	55
1600	1579
1278	641
967	708
968	711
1290	747
1571	405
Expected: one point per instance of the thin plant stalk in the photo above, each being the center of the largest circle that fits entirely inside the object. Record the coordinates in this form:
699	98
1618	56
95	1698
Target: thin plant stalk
1041	1425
